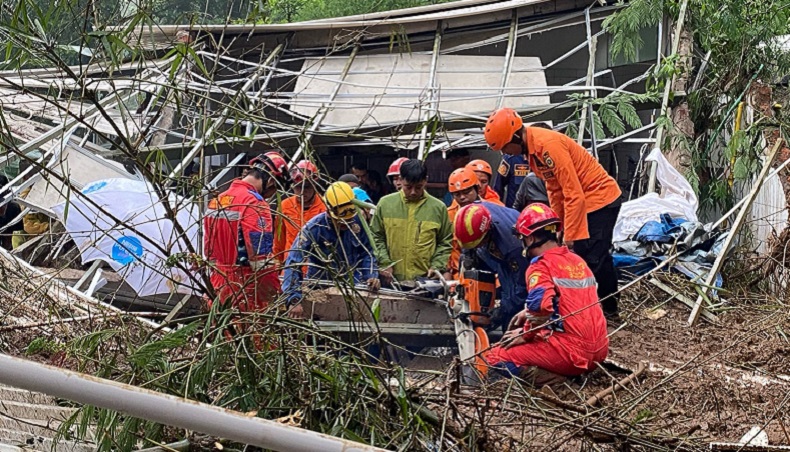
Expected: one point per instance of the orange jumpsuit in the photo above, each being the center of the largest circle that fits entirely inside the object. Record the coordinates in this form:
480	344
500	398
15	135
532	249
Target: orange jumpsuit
560	286
238	243
290	220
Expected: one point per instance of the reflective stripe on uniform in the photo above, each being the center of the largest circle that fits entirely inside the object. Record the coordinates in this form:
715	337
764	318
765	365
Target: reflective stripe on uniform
572	283
231	215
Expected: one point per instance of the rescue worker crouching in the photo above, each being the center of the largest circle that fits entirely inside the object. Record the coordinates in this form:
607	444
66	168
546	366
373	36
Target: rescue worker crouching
331	245
239	236
485	231
464	186
562	330
298	209
584	196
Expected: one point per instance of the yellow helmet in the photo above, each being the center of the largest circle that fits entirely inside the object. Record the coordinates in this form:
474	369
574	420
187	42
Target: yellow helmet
339	199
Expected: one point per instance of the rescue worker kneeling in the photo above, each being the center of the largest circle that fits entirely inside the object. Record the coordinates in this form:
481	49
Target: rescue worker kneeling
331	245
485	231
562	331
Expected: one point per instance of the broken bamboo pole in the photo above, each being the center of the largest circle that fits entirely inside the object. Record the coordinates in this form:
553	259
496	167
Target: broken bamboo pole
220	120
707	315
592	401
736	225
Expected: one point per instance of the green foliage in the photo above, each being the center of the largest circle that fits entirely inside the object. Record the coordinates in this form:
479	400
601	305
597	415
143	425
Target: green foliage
625	26
740	38
44	346
268	366
611	114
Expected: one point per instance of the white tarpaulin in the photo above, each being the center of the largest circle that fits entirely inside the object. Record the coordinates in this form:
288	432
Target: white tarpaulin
677	198
131	245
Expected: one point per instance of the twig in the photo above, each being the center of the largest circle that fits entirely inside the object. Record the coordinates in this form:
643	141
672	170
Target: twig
592	401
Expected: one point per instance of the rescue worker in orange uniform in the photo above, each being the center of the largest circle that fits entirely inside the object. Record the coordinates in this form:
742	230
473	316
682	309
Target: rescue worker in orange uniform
562	330
295	211
464	186
393	173
585	197
484	174
239	236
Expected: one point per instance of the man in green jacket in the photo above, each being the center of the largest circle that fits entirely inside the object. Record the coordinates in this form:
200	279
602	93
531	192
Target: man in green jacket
411	229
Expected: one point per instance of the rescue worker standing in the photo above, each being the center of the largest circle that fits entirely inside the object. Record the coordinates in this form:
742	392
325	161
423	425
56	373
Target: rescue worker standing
331	245
298	209
484	174
393	173
464	186
562	330
584	196
238	237
411	230
485	231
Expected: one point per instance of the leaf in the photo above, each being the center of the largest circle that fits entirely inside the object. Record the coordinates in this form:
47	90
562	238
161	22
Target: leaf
627	111
376	308
611	120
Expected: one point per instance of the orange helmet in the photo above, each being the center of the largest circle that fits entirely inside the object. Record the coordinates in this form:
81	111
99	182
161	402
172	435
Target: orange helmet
461	179
480	165
394	169
472	223
501	126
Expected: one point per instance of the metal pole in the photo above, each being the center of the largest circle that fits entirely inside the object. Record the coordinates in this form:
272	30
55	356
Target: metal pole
167	409
651	184
512	39
325	107
221	119
432	98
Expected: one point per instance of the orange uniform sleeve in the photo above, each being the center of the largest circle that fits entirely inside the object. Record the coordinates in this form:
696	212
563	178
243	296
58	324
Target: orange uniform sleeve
279	236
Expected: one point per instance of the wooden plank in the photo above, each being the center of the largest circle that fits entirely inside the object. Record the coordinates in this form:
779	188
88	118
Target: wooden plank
736	225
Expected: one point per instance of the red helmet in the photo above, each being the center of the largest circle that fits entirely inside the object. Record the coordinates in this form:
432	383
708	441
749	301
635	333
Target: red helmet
461	179
395	167
535	217
272	163
480	165
304	169
501	126
472	223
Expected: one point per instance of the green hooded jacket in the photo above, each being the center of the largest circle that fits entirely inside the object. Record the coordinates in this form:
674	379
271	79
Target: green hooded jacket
417	236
